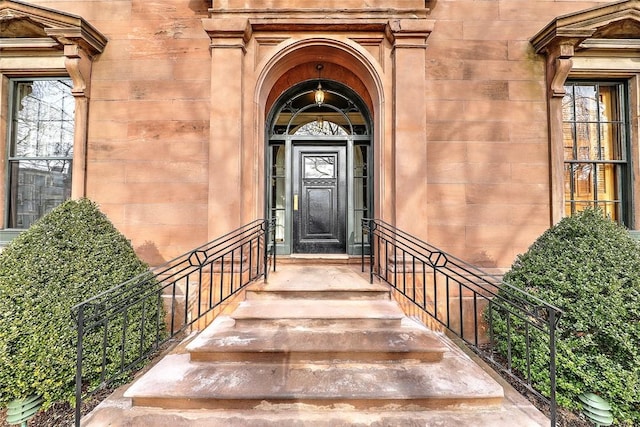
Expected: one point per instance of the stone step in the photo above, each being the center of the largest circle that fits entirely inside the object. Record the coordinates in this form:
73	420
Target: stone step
176	382
328	260
309	289
316	280
117	411
222	341
318	313
289	357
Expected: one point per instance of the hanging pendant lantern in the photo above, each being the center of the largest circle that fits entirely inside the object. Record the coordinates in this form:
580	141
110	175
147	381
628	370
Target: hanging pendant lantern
319	93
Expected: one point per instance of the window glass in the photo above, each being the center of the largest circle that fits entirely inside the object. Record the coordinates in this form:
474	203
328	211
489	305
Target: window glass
40	150
278	189
320	127
320	167
595	144
360	189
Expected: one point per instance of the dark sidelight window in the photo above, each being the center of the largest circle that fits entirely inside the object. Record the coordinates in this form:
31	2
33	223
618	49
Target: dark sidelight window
596	170
360	188
278	189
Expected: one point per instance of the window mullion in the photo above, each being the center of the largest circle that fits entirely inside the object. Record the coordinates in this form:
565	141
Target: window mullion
598	123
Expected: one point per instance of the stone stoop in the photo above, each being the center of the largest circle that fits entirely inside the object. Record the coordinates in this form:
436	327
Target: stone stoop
318	346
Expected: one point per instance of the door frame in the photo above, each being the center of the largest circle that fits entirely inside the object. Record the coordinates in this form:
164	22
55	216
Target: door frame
337	241
285	247
283	173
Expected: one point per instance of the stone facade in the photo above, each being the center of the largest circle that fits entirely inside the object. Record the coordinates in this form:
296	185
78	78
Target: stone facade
177	93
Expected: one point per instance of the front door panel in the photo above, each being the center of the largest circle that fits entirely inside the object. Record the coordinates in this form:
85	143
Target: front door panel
319	201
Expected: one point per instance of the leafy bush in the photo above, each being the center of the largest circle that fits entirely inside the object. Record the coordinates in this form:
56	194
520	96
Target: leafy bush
71	254
589	267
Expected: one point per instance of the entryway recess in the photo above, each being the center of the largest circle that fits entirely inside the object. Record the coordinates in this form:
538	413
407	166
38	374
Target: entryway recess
319	174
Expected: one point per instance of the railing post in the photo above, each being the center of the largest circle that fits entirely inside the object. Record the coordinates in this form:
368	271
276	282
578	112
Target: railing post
266	227
80	324
362	246
371	233
552	365
272	224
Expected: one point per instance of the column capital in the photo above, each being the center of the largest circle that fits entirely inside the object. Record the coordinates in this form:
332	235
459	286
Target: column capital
409	32
228	33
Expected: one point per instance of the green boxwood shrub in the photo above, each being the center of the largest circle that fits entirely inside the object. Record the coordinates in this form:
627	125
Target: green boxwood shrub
71	254
589	267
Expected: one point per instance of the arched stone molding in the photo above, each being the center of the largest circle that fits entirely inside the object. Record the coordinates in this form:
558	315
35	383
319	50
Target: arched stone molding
253	48
600	42
37	41
345	61
341	52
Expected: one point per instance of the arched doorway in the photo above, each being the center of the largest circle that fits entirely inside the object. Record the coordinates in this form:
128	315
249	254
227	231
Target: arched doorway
319	174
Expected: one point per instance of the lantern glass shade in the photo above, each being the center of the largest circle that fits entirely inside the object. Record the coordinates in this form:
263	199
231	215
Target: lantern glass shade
319	95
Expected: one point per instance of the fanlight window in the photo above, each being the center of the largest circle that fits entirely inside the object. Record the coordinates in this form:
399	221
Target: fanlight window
320	127
336	116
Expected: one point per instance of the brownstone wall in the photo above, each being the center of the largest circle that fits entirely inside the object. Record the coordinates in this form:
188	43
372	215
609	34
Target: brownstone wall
149	121
484	189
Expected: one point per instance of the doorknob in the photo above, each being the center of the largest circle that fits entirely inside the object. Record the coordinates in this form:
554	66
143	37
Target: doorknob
295	202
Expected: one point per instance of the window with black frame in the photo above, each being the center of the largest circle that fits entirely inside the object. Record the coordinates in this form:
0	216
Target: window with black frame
595	148
40	149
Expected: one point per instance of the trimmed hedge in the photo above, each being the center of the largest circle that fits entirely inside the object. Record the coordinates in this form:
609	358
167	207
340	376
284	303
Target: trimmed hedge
588	266
71	254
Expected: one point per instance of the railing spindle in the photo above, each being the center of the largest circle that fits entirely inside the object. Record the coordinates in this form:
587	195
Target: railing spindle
391	252
146	293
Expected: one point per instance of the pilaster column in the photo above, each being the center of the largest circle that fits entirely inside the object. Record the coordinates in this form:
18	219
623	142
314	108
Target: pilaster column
410	123
78	65
559	63
81	43
226	137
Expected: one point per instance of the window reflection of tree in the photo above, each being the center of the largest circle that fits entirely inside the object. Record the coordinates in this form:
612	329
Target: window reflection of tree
593	145
319	167
45	119
41	150
321	127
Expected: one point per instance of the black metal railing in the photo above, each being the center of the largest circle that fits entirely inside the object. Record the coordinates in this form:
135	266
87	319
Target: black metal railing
497	321
157	306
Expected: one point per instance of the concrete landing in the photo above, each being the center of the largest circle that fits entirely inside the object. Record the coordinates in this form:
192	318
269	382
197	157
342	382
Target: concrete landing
307	349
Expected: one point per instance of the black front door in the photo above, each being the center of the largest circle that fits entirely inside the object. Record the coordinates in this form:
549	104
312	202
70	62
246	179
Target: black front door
319	199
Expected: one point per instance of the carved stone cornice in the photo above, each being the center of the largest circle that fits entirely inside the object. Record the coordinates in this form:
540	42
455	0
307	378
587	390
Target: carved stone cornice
84	36
612	27
616	20
320	16
321	10
32	31
20	20
323	25
237	32
323	13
